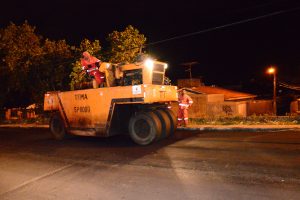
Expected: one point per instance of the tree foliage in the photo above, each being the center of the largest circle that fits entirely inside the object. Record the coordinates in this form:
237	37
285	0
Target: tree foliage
19	47
51	70
125	45
31	65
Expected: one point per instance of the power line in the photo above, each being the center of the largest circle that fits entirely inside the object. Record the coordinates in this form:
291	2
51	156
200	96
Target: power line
205	30
224	26
258	6
289	86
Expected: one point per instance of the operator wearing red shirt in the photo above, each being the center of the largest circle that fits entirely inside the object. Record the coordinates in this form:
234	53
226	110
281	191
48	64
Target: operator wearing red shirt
91	65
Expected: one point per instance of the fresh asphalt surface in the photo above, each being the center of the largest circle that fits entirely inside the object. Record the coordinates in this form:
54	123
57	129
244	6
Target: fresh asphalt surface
189	165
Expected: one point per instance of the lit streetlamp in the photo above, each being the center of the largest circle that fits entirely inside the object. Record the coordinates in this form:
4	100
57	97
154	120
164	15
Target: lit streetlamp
272	70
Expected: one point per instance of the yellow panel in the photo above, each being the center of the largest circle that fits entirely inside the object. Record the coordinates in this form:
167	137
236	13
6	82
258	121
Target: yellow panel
90	108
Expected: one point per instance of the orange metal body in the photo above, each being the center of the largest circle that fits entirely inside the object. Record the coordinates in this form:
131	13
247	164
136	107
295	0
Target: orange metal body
89	112
106	111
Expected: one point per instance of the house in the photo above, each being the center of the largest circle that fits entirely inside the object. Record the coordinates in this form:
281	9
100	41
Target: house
211	101
229	95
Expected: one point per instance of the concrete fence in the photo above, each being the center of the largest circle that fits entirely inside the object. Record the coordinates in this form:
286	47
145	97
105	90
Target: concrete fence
210	106
19	113
30	112
259	107
295	107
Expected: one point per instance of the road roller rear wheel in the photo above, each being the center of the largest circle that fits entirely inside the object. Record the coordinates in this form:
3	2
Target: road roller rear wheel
165	122
144	128
173	118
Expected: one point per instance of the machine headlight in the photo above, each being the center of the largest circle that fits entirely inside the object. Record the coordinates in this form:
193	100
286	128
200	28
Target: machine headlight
149	63
166	66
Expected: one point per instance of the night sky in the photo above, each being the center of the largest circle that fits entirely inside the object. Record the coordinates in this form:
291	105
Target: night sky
229	56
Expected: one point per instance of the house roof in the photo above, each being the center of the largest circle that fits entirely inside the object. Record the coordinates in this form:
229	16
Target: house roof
228	94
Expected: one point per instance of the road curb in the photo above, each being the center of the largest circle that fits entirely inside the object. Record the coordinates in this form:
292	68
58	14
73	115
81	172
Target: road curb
190	128
24	126
241	129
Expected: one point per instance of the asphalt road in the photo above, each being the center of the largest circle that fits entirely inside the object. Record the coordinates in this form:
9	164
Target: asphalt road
190	165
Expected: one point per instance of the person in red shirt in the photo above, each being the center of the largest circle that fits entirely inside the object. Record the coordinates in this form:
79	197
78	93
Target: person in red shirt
185	101
91	65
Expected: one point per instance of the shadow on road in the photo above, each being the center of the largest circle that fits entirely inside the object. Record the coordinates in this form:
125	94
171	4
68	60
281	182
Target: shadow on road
99	153
39	141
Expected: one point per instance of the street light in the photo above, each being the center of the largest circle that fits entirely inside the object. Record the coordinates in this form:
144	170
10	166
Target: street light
272	70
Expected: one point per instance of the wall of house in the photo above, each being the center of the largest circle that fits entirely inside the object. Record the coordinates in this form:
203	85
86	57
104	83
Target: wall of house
198	109
226	109
294	107
259	107
213	105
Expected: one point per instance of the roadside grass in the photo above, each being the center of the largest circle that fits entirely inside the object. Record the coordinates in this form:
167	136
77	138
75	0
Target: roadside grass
251	120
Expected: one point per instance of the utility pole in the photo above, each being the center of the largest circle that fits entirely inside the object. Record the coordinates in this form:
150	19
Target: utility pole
189	66
273	70
274	94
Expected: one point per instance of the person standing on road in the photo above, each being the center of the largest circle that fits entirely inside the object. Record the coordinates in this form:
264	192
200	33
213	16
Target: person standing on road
91	65
185	101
